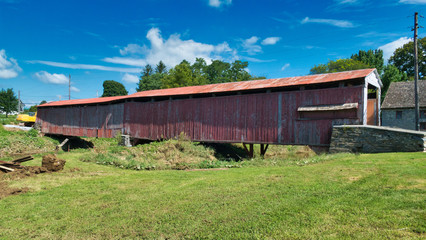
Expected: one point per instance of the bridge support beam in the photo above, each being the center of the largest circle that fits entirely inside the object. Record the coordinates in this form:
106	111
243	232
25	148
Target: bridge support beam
250	149
250	152
263	148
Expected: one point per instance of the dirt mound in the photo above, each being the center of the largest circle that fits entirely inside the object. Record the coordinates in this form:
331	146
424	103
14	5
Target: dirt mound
52	163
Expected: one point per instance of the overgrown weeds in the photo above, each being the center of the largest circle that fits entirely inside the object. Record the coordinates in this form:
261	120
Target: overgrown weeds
177	154
181	154
16	142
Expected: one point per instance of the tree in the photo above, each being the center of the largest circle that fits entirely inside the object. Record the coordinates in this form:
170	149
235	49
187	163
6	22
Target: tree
391	74
155	81
33	108
43	102
8	101
150	80
217	72
373	58
160	68
403	58
147	71
338	65
179	76
198	71
237	72
113	88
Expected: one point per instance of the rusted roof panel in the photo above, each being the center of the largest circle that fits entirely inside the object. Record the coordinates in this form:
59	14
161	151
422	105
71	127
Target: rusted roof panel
227	87
84	101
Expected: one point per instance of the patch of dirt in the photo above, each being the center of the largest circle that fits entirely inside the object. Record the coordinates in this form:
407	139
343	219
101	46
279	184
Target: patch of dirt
353	179
5	190
24	172
52	163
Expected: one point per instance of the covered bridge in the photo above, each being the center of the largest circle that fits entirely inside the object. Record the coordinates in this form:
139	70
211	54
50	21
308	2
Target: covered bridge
293	111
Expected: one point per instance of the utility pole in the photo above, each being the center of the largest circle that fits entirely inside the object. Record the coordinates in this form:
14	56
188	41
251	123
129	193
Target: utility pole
416	73
69	86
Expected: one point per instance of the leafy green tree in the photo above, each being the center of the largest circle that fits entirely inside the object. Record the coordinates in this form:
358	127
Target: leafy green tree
150	80
43	102
217	72
198	71
403	58
391	74
373	58
8	101
237	72
147	71
113	88
33	108
154	81
338	65
179	76
160	68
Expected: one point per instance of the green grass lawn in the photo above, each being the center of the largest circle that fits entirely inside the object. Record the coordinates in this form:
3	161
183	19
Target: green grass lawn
342	196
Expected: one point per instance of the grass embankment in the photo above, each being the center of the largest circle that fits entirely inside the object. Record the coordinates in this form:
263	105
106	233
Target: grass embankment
342	196
14	142
181	154
10	119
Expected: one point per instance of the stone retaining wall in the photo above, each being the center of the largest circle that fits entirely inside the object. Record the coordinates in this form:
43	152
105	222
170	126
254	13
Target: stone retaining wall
373	139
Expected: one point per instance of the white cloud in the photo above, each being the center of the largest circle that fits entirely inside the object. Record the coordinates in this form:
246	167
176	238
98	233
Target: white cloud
346	1
137	62
51	78
251	59
287	65
74	89
413	1
130	78
132	48
86	66
219	3
270	40
172	51
250	45
389	48
332	22
9	68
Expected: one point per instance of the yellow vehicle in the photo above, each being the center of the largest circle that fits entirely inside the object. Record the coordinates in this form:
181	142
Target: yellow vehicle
28	119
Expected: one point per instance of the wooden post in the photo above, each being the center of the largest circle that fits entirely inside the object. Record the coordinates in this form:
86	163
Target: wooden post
250	152
263	149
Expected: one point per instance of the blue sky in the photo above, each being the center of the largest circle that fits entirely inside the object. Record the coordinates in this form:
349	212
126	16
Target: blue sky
42	42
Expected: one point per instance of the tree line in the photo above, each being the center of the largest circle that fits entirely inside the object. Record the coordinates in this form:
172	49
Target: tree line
198	73
400	66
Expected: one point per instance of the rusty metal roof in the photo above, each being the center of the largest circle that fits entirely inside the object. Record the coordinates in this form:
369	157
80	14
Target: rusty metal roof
226	87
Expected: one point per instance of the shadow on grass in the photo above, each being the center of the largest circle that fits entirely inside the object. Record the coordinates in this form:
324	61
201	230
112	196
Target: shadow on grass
73	142
227	151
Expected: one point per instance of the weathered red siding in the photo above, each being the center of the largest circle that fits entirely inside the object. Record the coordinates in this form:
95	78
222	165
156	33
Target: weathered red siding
250	118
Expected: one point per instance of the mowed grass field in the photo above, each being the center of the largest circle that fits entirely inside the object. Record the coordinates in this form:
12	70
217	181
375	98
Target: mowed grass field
342	196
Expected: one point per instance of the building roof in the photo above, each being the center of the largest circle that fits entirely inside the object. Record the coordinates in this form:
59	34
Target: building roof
228	87
401	95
